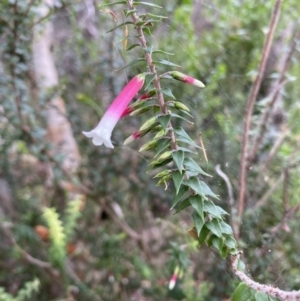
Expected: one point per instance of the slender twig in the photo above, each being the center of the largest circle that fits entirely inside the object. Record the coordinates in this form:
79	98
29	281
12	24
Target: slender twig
231	202
266	196
250	105
273	98
152	69
269	290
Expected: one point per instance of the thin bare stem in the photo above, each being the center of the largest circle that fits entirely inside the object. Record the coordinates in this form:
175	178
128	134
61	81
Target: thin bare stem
273	98
250	104
231	202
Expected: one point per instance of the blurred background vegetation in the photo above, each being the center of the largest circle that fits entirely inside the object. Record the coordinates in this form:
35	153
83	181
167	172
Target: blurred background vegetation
79	222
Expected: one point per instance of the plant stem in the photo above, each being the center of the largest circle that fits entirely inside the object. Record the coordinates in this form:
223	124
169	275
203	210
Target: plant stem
152	69
250	104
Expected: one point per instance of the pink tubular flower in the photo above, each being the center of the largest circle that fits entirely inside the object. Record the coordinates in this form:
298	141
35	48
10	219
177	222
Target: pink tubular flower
186	79
102	132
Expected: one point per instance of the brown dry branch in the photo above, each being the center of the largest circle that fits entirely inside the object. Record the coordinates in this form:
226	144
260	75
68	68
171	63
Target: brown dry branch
250	104
273	98
267	289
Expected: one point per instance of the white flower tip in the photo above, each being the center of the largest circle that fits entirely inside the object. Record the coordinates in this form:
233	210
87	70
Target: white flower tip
199	84
99	137
172	284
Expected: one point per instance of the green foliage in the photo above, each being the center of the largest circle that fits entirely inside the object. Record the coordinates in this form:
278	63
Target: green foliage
26	293
57	251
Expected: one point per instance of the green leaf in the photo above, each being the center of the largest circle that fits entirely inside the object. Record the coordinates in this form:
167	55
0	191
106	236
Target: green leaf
148	80
178	157
157	16
182	191
147	31
162	144
184	137
200	187
186	150
129	12
191	165
203	235
132	63
145	3
214	210
230	242
224	252
110	4
226	229
182	205
132	46
214	227
217	243
120	25
242	293
197	203
168	92
259	296
165	62
198	222
180	117
163	52
164	121
177	179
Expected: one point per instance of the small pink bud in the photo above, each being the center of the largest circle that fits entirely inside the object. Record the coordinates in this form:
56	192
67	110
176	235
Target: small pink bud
186	79
102	133
173	281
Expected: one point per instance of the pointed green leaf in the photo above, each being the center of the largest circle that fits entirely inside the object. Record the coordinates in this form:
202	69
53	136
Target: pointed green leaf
214	227
162	144
200	187
177	179
167	92
178	157
230	242
261	296
110	4
132	63
214	210
182	205
182	191
203	235
180	117
163	52
132	46
198	222
242	293
191	165
148	80
145	3
197	203
186	150
164	121
120	25
224	252
184	137
217	243
226	229
147	31
165	62
157	16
